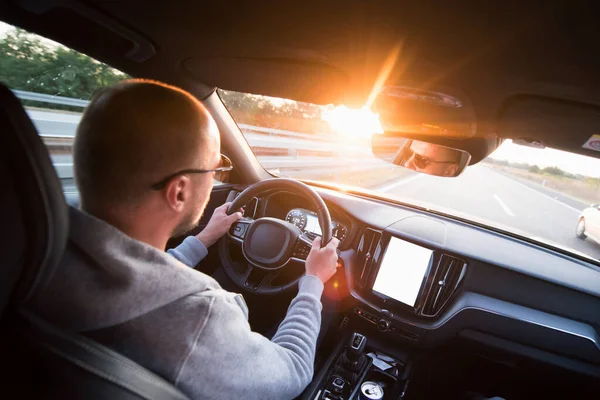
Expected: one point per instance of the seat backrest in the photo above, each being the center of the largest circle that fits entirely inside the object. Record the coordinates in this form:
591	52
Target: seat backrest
33	212
38	359
65	365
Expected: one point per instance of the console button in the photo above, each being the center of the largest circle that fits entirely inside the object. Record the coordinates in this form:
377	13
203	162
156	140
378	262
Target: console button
383	325
338	385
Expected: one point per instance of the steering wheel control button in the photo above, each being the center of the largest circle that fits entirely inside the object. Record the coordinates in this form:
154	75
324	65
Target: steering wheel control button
383	325
239	230
301	250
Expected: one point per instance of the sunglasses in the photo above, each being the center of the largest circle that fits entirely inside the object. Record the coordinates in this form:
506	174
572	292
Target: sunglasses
221	173
422	161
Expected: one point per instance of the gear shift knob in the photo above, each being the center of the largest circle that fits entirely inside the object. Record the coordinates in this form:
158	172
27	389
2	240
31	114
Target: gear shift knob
356	347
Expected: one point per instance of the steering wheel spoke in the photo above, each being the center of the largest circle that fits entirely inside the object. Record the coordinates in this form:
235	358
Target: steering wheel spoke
261	279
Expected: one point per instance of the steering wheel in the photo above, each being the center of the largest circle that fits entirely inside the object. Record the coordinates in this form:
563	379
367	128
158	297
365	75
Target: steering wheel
271	244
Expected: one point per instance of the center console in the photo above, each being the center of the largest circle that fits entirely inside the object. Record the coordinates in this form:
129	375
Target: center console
397	287
359	371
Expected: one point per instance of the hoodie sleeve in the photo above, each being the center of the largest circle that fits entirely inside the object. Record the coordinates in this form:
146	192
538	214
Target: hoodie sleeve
190	252
240	363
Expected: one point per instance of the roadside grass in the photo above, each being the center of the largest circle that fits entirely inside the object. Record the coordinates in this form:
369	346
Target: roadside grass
578	189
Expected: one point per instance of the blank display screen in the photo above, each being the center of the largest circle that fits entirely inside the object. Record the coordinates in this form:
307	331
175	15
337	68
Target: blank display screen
402	270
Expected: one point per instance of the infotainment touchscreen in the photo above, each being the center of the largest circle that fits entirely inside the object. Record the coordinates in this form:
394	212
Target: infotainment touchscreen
402	270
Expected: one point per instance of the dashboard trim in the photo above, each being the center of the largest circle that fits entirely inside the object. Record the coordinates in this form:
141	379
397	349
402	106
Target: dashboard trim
525	314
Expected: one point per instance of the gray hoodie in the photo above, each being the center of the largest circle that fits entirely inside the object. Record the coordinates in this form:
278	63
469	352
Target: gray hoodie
174	320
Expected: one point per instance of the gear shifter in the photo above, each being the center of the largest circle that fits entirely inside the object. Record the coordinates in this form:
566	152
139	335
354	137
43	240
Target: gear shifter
353	358
348	367
356	347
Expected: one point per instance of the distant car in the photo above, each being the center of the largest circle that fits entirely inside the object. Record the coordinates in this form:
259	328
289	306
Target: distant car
588	225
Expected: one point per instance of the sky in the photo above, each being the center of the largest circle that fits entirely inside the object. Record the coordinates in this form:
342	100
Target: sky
5	28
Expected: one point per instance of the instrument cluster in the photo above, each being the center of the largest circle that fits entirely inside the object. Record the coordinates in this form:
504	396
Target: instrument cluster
308	222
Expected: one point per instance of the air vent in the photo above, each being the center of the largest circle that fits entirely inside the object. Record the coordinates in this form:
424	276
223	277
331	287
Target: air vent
368	250
447	276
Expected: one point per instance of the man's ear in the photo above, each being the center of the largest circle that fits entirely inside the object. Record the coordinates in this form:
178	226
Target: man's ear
177	192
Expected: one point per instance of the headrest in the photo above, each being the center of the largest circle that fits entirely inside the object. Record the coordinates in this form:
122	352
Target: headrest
33	213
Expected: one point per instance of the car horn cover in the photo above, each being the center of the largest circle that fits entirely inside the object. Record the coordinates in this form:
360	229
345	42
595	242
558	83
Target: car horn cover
270	242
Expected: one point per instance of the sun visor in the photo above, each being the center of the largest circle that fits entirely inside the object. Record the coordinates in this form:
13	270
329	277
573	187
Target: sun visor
299	80
441	112
545	122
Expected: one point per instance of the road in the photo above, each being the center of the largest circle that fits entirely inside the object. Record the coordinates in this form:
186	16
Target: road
491	197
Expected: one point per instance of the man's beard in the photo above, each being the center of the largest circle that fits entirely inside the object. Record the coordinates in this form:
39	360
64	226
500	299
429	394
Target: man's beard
189	222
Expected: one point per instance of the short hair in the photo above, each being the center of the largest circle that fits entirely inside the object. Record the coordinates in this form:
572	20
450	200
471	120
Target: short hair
133	134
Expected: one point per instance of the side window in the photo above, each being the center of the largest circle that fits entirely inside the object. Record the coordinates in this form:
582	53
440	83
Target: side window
55	84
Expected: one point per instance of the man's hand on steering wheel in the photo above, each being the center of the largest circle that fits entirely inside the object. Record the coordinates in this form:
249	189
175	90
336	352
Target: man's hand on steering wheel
218	225
322	262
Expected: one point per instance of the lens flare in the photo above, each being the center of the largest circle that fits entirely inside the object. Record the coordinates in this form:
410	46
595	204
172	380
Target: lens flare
352	122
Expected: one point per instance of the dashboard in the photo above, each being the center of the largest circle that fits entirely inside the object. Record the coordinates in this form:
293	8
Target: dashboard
424	278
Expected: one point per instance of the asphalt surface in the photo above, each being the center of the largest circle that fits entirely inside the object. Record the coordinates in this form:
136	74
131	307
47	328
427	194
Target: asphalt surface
493	198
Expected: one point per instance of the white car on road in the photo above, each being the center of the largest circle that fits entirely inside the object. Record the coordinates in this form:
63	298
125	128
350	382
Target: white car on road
588	225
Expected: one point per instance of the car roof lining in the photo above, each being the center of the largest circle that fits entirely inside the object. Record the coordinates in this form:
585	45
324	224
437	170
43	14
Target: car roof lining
332	52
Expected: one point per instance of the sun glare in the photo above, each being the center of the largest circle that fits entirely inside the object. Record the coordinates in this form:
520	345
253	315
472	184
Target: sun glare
353	122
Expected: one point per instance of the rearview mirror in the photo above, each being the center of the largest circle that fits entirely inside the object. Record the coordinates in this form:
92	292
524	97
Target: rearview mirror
429	158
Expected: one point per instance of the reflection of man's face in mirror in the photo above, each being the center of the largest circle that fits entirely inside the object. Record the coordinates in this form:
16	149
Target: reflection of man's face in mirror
433	159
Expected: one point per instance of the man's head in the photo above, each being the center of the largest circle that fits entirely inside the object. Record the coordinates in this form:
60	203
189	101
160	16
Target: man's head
433	159
135	134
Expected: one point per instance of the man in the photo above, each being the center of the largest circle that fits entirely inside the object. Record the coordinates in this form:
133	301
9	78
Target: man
115	284
429	158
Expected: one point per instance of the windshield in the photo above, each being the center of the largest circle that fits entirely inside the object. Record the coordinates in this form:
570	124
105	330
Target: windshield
543	194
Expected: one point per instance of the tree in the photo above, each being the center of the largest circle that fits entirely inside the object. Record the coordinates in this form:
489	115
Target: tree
535	169
27	63
275	113
553	171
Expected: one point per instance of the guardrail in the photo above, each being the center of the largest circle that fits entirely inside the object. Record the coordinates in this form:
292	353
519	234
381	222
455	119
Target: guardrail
287	152
48	98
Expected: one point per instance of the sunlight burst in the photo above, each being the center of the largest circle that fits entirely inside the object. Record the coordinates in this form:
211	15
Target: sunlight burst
353	122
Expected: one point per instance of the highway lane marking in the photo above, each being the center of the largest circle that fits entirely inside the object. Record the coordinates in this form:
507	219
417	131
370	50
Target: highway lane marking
401	182
504	206
545	195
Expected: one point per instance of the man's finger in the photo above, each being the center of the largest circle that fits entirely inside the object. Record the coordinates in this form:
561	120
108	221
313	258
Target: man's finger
235	216
333	243
316	245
